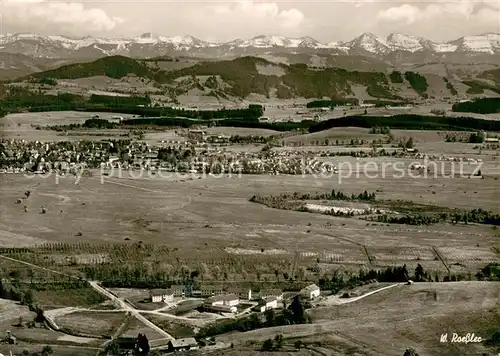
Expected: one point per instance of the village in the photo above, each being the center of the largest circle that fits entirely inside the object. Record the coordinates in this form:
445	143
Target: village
200	153
232	303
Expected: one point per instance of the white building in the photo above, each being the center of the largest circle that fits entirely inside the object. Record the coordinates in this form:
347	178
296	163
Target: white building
242	293
269	303
268	293
179	290
222	303
220	308
209	290
182	345
312	291
161	295
227	300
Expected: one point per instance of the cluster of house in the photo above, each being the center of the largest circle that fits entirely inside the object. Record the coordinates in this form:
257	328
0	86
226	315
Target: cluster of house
63	155
198	136
219	299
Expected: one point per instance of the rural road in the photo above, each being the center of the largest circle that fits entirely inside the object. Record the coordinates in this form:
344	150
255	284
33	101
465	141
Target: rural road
126	307
335	300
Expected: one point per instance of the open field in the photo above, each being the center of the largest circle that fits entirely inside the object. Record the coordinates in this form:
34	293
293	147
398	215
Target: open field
177	329
11	311
94	324
334	134
135	327
242	131
185	307
387	322
58	350
217	211
81	297
18	126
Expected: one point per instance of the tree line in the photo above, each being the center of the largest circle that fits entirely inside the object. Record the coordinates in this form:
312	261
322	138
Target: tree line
409	122
479	106
478	216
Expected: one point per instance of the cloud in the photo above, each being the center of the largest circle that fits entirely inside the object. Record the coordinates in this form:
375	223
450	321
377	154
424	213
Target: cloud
42	14
248	10
404	13
291	18
477	11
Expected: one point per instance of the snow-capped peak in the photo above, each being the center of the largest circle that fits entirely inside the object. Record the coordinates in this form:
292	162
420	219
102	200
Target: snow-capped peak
310	42
488	43
149	44
146	38
369	42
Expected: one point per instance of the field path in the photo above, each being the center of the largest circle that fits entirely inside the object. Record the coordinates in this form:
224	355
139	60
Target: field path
438	255
108	180
335	300
39	267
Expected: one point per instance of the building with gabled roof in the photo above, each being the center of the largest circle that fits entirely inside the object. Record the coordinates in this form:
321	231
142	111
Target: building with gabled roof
311	291
161	295
242	293
185	344
229	300
266	293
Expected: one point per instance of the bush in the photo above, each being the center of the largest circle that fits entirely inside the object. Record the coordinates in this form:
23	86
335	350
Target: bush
476	137
268	345
396	77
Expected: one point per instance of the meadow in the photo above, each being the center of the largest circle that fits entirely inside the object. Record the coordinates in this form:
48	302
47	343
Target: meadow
389	321
190	216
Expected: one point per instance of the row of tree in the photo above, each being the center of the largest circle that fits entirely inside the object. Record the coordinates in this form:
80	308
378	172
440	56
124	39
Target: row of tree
478	216
479	106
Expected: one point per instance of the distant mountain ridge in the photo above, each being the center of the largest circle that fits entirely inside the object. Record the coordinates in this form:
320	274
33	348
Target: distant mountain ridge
149	45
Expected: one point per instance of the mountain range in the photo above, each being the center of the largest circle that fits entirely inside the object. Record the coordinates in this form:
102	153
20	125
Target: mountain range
149	45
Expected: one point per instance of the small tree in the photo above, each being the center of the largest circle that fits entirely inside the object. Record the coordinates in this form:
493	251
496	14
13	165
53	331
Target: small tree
410	351
28	299
47	350
267	345
298	344
419	273
279	341
113	349
270	317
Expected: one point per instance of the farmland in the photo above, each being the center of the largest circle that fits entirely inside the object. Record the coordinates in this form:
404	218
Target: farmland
93	324
134	231
168	211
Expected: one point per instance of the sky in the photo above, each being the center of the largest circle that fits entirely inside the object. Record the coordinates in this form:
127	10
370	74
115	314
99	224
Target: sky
224	20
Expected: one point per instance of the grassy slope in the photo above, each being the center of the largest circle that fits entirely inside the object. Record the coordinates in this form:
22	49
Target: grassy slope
298	80
478	86
114	67
387	322
242	76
